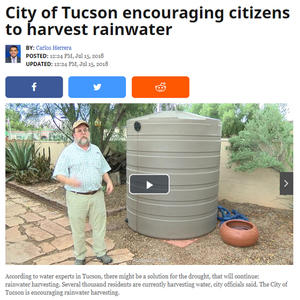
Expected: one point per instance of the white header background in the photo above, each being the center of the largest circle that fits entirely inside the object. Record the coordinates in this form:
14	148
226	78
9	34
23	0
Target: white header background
232	61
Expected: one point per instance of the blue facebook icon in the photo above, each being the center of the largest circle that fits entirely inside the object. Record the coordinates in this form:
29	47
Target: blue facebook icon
34	87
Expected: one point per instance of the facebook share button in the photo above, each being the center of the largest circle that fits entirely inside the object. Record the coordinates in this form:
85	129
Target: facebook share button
149	184
34	87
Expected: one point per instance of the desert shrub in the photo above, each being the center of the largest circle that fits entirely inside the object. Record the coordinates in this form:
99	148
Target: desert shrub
43	166
19	158
25	166
266	142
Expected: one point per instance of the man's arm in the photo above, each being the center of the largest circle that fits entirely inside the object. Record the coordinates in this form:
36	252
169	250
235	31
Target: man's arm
68	181
109	184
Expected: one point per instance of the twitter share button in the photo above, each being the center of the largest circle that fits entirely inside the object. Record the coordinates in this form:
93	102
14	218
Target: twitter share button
97	87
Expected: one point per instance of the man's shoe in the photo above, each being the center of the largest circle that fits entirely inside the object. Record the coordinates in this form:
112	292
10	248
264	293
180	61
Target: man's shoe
79	261
105	259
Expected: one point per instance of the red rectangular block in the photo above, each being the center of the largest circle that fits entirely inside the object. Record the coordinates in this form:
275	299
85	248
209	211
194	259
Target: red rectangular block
160	87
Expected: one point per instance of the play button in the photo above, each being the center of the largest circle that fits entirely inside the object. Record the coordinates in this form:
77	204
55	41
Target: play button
149	184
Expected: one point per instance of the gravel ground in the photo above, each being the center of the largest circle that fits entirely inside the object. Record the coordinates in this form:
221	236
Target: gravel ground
274	247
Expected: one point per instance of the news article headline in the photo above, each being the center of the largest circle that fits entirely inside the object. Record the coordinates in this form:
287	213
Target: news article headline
191	16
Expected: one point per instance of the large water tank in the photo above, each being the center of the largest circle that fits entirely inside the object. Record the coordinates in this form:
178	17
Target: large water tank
187	148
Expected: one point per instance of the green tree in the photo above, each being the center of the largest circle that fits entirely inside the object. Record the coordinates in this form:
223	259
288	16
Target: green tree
266	142
234	116
113	117
14	121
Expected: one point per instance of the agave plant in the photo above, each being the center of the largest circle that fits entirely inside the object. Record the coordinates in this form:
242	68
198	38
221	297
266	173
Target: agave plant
19	158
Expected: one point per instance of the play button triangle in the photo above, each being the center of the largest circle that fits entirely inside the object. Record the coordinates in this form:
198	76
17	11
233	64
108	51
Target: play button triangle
148	185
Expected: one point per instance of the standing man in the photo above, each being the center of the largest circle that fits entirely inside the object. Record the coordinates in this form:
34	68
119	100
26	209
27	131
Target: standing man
13	58
81	168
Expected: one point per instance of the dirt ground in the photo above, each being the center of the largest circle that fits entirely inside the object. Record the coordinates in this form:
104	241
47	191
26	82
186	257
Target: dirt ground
274	247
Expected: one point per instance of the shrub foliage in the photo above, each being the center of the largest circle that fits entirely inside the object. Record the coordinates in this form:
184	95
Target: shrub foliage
266	142
26	166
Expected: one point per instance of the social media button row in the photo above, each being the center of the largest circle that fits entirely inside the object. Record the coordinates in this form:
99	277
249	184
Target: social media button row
97	87
34	87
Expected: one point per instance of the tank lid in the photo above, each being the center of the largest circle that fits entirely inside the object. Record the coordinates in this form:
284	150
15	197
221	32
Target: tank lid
173	115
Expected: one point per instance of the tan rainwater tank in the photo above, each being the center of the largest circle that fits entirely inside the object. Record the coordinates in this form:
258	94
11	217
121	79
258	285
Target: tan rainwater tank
187	148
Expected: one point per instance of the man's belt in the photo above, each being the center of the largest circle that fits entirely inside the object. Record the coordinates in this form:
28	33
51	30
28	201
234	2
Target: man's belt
87	193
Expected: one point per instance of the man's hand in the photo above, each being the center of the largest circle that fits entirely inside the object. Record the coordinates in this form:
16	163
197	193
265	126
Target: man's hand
109	184
69	181
109	188
73	182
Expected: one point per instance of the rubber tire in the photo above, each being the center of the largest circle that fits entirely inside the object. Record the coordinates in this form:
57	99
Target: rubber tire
232	234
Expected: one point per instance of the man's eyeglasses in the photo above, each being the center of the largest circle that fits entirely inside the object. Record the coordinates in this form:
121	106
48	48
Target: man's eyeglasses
82	130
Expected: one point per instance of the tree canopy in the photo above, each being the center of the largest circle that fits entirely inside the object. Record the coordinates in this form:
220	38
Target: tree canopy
63	115
234	116
15	122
